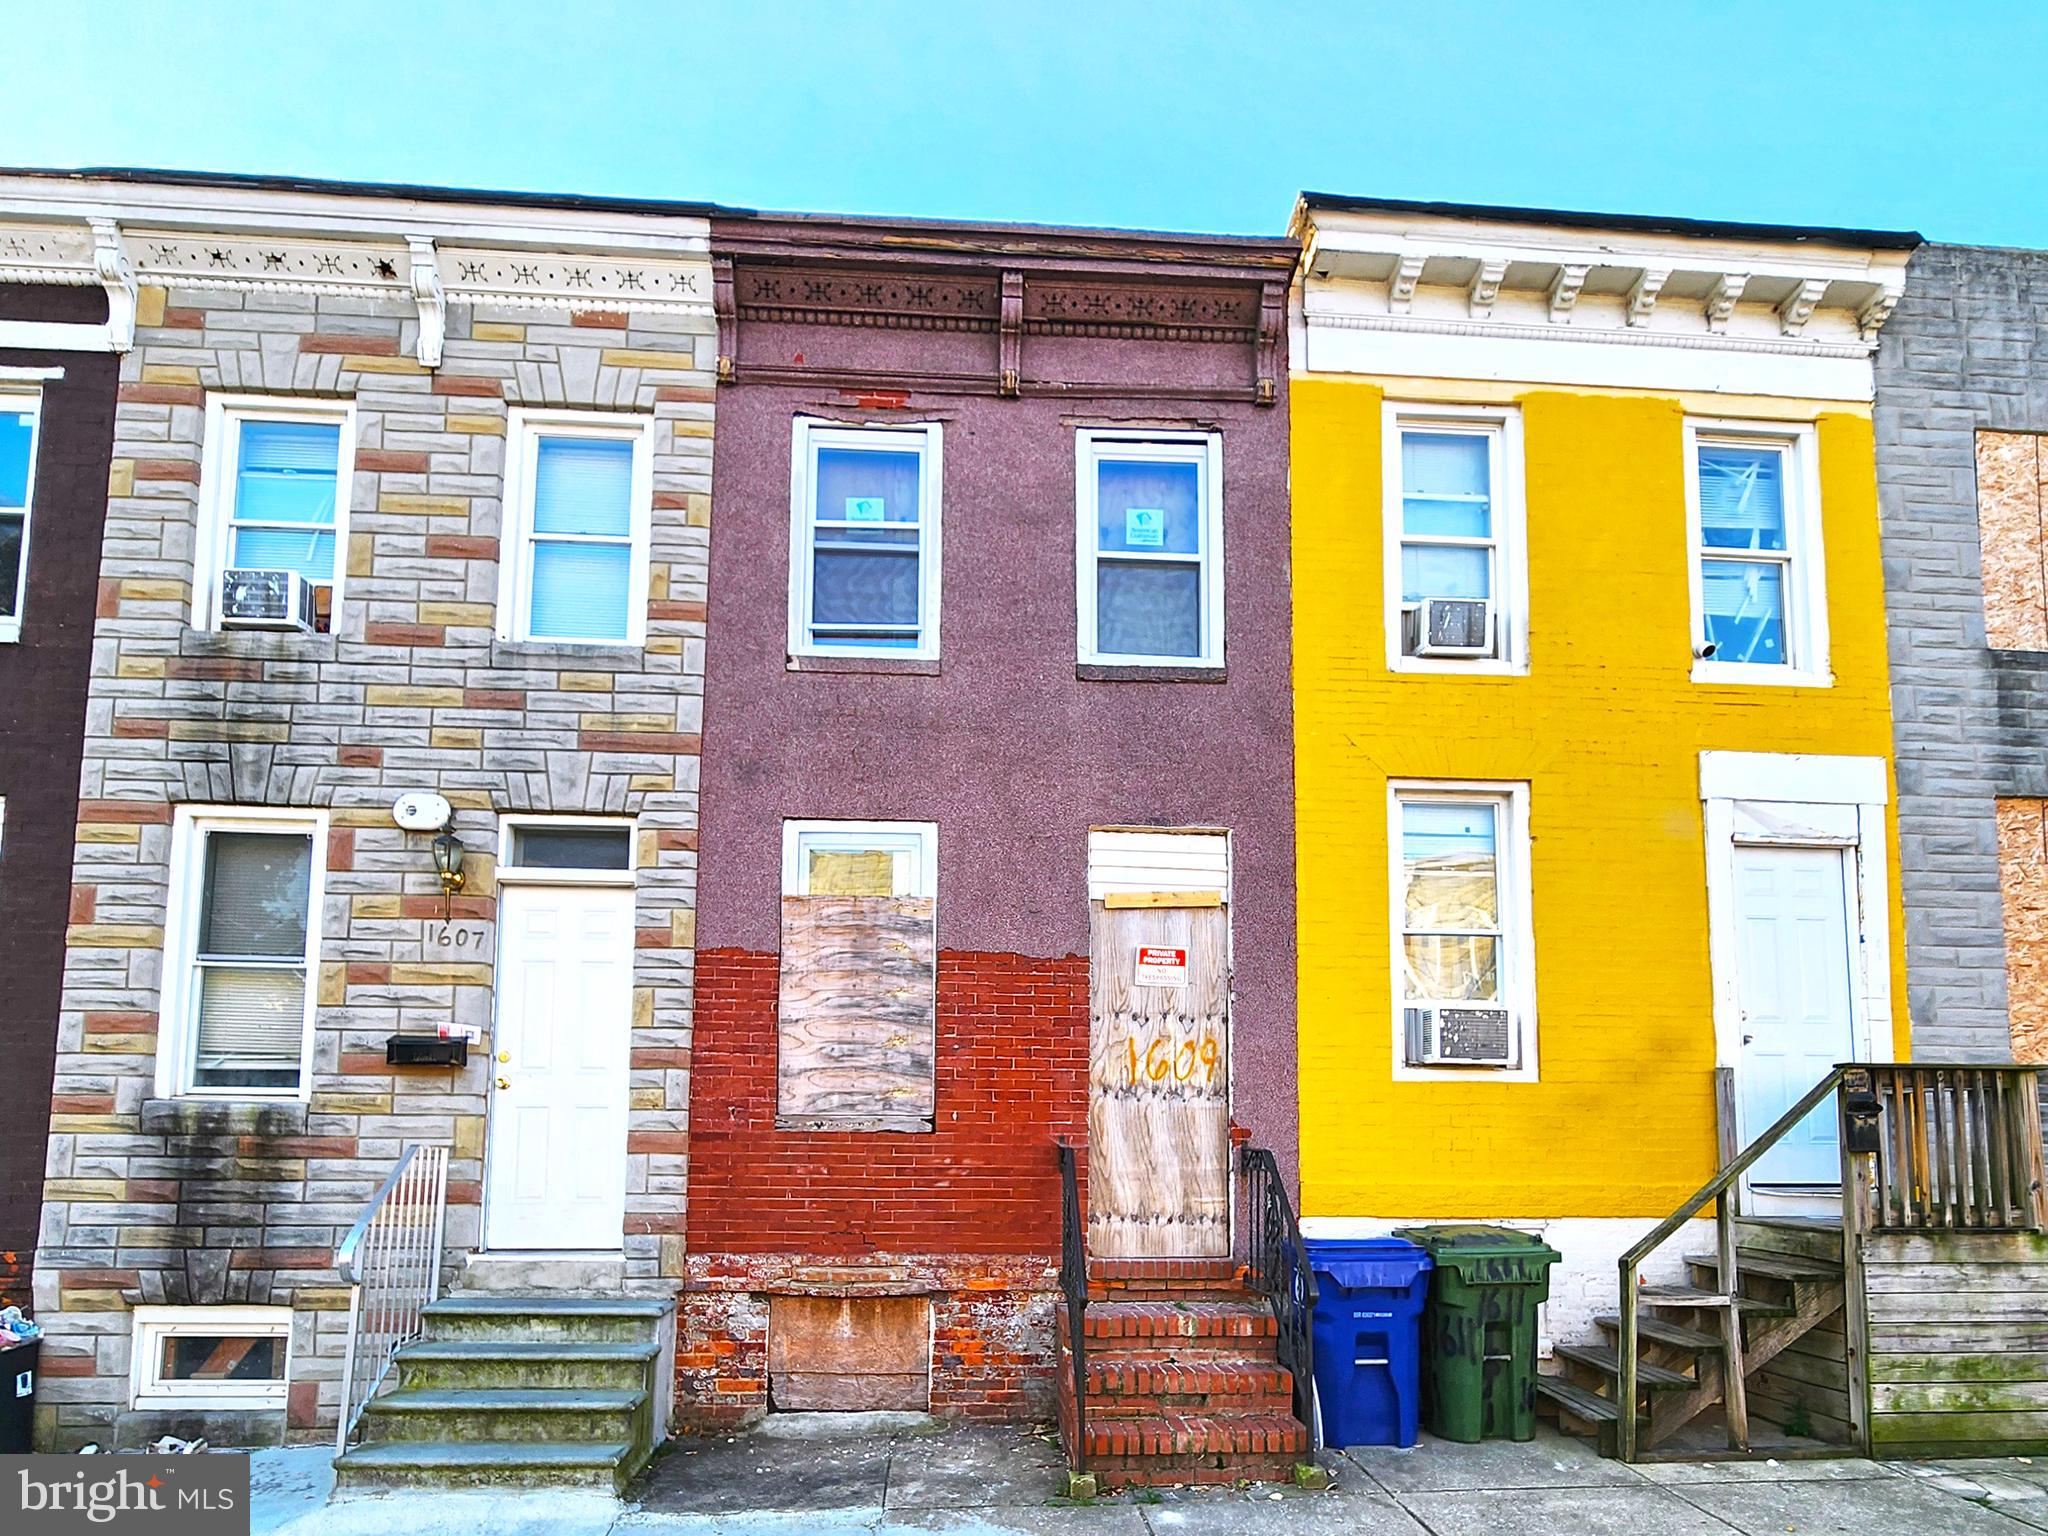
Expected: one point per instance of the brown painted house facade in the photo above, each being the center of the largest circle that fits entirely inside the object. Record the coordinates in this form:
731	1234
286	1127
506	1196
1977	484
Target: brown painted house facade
57	378
996	841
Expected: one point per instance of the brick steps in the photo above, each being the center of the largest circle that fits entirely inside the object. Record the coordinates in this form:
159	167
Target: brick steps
1184	1388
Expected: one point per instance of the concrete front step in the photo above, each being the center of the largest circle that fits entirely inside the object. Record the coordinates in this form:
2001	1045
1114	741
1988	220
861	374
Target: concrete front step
505	1415
557	1364
553	1274
616	1318
607	1466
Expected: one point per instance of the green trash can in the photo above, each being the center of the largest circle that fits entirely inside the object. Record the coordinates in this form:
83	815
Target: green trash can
1479	1330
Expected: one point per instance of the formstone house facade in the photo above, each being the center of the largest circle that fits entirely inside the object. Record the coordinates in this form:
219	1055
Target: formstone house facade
997	841
1962	453
57	377
456	450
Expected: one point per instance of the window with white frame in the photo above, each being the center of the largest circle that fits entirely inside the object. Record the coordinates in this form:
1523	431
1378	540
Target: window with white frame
20	416
859	858
210	1357
275	487
864	540
1150	539
243	947
1464	990
1455	577
1759	595
579	502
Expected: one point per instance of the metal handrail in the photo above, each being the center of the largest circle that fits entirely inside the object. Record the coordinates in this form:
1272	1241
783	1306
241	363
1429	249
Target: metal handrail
1074	1287
1277	1268
391	1262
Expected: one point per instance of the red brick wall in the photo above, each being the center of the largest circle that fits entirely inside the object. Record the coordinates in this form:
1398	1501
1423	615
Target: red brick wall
1012	1073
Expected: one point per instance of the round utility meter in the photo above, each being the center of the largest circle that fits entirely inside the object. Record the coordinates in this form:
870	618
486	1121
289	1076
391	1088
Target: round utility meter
421	810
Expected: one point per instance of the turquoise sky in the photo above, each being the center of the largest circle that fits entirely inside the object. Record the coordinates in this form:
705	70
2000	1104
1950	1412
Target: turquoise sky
1203	115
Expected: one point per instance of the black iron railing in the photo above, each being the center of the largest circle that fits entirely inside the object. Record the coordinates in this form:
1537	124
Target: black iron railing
1277	1268
1074	1290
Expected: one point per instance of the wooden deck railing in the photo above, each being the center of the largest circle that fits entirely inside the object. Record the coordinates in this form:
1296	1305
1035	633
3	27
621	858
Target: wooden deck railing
1959	1150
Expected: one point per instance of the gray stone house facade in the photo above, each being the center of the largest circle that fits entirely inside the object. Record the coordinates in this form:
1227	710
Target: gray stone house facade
473	432
1961	427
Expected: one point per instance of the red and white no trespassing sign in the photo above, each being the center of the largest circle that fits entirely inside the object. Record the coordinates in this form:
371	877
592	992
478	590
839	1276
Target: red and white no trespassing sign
1159	966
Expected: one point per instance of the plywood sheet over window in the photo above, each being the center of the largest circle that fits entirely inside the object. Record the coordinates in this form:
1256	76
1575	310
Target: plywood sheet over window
2010	469
849	1354
2023	876
855	1027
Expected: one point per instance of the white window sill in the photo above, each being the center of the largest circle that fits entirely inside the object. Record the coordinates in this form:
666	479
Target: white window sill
10	634
206	1402
1750	674
1153	663
1451	666
1404	1073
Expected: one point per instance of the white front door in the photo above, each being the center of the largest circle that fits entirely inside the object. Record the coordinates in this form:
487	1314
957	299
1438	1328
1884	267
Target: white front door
1797	1017
555	1160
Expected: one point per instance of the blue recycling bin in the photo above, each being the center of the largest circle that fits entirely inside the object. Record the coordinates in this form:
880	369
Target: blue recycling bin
1368	1335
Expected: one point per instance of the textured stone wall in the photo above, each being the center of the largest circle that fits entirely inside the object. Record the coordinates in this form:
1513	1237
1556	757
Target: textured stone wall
188	1202
1964	354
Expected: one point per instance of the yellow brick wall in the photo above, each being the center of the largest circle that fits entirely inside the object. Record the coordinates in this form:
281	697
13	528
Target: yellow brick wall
1607	729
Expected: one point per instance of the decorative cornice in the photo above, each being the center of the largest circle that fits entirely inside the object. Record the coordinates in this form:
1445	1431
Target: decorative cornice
55	254
116	275
427	294
1871	317
1010	359
1798	306
1722	297
1642	294
1486	288
1509	331
1407	273
1564	290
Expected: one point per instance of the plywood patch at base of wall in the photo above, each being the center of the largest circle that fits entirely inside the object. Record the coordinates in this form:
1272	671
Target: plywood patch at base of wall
849	1354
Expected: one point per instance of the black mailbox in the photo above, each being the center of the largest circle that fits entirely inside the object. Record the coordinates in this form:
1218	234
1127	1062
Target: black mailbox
425	1051
1861	1108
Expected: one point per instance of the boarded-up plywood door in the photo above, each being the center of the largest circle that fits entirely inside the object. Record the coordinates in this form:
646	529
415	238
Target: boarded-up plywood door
1159	1083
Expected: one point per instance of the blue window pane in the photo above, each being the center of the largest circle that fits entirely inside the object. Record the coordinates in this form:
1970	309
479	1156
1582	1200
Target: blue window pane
1447	484
1438	831
1146	506
11	528
867	485
583	485
1148	610
1745	610
286	472
308	551
17	446
1429	570
864	587
580	591
1742	497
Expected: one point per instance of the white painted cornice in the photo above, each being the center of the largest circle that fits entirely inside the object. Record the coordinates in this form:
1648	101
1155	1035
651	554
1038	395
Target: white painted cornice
428	254
1436	296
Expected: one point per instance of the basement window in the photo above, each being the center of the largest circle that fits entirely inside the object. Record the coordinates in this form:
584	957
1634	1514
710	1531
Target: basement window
211	1357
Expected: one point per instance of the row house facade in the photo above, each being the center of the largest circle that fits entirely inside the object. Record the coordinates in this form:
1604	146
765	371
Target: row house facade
386	830
1962	445
1598	866
997	847
57	379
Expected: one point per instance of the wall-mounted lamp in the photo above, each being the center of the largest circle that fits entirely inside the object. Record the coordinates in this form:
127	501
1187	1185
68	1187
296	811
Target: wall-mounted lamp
448	865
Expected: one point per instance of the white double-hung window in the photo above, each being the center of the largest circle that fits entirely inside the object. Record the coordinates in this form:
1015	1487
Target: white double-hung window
1758	585
241	950
860	858
1456	582
1150	540
274	490
864	541
20	414
1464	991
579	498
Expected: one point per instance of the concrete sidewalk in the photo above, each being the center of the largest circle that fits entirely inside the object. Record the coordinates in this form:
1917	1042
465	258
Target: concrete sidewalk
904	1475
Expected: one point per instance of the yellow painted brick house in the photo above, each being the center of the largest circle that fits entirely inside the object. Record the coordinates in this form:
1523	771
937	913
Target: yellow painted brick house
1593	739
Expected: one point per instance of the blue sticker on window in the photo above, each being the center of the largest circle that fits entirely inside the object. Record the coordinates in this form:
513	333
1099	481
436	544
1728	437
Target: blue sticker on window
1144	527
865	509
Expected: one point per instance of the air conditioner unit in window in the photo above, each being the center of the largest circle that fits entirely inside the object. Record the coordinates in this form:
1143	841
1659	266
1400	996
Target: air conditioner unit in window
1443	1035
253	599
1448	626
